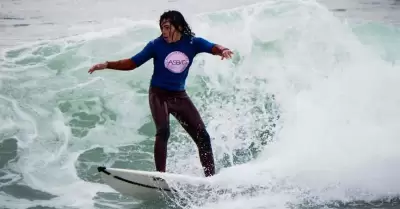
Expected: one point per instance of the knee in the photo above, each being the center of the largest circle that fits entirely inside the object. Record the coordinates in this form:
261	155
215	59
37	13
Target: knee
163	133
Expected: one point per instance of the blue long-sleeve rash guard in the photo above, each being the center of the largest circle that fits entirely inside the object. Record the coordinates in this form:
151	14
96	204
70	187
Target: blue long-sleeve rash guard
172	60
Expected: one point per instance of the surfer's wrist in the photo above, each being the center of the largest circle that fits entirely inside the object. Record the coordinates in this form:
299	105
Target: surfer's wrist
218	49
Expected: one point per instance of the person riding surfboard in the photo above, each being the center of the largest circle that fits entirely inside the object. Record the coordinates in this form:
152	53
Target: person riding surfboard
173	53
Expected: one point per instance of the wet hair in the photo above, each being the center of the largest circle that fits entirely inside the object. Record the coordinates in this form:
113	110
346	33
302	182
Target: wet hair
177	20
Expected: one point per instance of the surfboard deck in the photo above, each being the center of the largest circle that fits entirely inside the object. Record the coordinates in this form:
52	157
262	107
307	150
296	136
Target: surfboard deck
146	184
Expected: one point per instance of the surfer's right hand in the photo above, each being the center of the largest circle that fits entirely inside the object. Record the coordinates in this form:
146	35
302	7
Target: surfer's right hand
100	66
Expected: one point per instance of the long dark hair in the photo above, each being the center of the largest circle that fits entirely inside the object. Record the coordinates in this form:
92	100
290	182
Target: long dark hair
178	21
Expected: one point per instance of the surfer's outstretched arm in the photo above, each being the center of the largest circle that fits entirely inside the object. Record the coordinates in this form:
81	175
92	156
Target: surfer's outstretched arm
206	46
127	64
124	64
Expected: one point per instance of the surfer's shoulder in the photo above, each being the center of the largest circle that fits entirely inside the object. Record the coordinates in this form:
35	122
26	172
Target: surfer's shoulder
156	41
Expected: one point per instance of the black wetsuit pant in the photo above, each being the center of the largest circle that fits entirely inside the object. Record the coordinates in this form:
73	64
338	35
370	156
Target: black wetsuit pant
178	103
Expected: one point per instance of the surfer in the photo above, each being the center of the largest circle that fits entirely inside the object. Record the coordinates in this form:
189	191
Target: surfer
172	53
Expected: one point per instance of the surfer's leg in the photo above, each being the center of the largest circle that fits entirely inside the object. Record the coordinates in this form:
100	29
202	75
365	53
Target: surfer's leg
159	111
188	116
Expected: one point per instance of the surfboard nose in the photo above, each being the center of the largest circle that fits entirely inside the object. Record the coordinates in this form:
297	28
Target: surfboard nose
101	169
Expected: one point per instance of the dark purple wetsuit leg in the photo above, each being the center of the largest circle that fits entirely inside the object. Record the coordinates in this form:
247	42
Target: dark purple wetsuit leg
159	111
162	103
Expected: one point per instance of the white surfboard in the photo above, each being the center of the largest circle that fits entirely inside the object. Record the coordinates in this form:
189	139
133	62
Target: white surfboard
146	184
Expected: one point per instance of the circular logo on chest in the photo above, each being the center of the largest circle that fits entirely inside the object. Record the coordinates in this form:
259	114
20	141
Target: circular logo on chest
176	62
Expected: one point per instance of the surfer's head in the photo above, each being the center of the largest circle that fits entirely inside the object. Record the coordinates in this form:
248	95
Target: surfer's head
173	25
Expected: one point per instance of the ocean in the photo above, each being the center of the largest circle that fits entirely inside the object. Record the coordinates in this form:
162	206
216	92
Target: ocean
305	115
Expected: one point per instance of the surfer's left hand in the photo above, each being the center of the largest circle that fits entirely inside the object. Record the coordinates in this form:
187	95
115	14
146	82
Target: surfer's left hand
227	54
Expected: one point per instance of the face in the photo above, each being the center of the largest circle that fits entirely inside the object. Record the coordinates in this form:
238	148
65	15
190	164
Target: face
169	32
